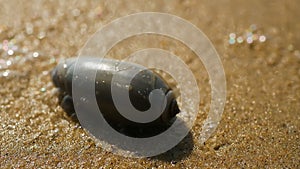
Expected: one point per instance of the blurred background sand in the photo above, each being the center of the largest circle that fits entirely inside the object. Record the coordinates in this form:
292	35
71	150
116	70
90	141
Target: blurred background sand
261	122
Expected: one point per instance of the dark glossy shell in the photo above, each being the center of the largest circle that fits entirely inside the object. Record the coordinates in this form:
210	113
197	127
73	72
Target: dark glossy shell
140	88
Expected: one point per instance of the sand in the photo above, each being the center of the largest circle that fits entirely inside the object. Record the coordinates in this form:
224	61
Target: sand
261	121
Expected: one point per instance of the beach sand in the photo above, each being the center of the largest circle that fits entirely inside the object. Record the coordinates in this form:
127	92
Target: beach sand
261	121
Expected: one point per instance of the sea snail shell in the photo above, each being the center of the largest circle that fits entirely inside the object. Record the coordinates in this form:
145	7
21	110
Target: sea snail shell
140	88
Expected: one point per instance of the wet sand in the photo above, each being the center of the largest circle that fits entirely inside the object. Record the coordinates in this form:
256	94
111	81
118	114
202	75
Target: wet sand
261	121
